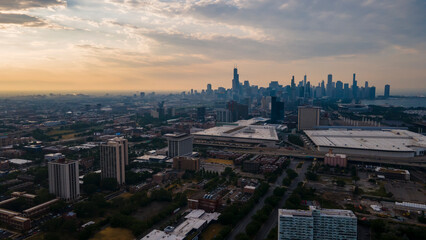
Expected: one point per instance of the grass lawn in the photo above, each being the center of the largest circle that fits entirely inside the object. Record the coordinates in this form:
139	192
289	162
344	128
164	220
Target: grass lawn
126	195
110	233
211	231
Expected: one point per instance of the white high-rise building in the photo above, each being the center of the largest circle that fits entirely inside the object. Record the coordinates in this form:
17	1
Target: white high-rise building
114	157
179	144
317	224
63	179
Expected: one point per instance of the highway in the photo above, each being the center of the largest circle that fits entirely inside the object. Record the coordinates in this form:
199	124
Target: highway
273	217
241	226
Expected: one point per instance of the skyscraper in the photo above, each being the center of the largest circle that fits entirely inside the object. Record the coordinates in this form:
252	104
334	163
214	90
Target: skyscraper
63	179
209	89
339	90
330	86
387	91
372	93
277	110
236	81
114	158
354	87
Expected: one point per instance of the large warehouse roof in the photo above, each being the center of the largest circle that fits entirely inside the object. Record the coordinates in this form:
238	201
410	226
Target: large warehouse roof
249	132
380	140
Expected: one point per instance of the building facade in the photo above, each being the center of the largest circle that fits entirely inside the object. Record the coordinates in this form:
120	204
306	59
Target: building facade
308	117
114	157
179	144
317	224
335	159
63	179
186	163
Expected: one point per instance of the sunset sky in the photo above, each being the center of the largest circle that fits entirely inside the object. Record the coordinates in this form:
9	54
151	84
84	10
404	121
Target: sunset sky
144	45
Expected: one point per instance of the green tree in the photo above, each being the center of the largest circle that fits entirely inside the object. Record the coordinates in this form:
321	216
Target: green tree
109	184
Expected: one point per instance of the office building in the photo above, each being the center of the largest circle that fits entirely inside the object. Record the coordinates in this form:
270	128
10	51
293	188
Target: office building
223	115
201	114
354	87
387	91
63	179
186	163
308	117
236	81
114	157
238	111
316	224
179	144
277	110
372	93
339	90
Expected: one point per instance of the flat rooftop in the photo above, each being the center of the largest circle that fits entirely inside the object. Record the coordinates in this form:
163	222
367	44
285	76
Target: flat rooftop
160	235
381	140
245	132
323	212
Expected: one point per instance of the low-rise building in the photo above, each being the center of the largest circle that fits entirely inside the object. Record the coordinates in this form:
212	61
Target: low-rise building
393	173
335	159
186	163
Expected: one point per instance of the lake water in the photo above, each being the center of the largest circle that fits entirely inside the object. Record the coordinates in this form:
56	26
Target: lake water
399	102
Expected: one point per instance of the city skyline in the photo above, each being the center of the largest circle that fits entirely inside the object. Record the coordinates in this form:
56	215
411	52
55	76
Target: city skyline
106	46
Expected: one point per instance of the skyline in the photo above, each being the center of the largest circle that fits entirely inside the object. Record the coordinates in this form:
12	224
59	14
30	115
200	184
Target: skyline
113	45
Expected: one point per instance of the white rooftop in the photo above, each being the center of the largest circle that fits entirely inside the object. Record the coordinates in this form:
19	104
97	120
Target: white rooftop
248	132
382	140
19	161
160	235
186	227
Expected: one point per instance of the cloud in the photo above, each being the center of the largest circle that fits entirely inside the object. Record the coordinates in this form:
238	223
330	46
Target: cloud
21	19
27	4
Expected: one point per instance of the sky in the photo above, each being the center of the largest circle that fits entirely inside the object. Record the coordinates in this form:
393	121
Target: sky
165	45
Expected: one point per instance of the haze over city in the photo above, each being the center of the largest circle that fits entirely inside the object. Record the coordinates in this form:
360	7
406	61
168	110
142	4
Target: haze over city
141	45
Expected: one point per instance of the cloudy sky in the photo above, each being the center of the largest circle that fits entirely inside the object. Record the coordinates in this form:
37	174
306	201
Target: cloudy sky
141	45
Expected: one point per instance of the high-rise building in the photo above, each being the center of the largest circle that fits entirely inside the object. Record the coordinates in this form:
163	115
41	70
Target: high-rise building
308	117
63	179
179	144
354	87
201	114
238	111
372	93
114	157
339	90
330	86
277	110
387	91
223	115
346	91
209	89
236	81
317	224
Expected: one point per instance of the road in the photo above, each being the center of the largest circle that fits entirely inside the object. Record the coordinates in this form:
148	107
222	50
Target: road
273	217
241	226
